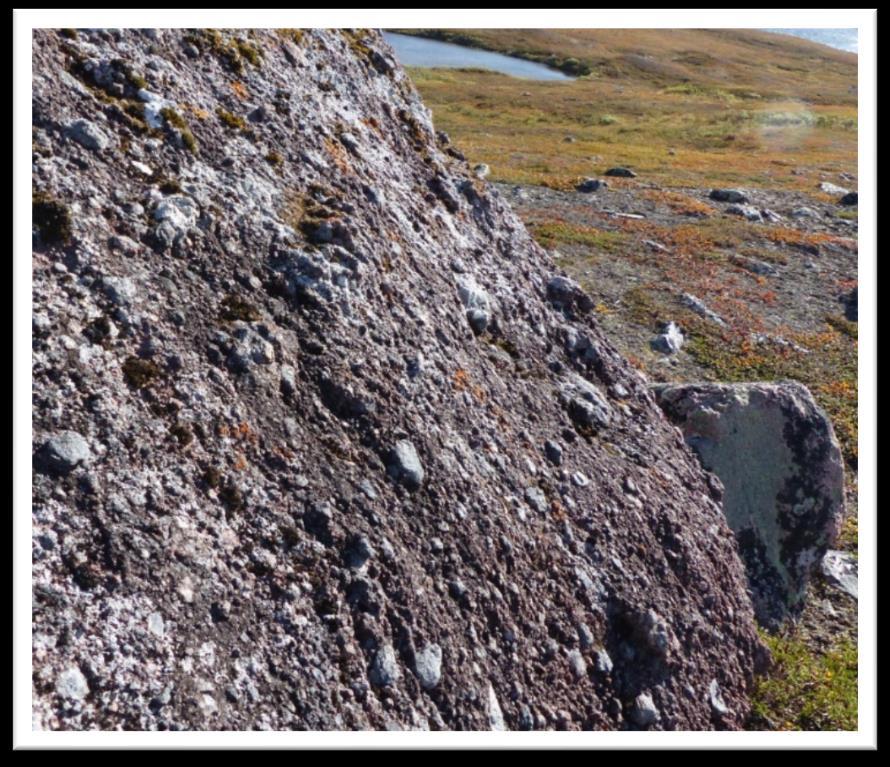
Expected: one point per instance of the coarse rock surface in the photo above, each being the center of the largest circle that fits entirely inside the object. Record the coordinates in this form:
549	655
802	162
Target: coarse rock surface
305	502
775	452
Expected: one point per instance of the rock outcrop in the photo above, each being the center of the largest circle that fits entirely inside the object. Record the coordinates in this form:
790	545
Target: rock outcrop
319	441
776	454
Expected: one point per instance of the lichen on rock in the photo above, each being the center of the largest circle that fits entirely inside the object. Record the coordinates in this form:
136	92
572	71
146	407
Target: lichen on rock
780	464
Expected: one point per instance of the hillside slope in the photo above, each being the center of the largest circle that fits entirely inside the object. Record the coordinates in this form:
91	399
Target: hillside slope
319	441
741	60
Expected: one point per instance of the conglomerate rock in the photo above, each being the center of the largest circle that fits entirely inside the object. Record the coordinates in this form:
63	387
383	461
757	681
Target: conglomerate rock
298	385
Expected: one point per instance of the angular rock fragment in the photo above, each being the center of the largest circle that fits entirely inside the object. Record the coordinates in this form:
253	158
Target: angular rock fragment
718	705
670	340
586	404
495	715
384	671
842	571
829	188
405	465
701	309
567	293
72	684
477	303
428	666
748	212
89	134
644	712
755	266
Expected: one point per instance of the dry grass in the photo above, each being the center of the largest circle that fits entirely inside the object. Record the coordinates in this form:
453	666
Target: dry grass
741	110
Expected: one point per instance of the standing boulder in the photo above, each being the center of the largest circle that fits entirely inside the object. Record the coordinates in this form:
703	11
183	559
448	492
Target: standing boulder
776	454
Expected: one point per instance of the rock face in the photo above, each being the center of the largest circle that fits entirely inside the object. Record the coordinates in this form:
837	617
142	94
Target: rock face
317	492
781	467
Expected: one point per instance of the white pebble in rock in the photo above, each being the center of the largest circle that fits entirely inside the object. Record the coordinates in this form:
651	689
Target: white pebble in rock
577	664
72	684
644	712
718	705
405	466
603	662
428	666
495	715
384	671
65	451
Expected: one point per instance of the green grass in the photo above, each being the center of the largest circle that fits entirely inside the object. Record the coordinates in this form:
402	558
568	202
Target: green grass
848	539
829	370
808	690
550	233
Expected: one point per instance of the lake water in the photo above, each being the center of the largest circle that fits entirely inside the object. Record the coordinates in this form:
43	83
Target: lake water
420	52
842	39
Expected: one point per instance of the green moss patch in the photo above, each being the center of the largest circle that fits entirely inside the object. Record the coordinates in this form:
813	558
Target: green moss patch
807	689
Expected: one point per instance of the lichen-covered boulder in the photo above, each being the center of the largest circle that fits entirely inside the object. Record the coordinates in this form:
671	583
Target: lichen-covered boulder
775	452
